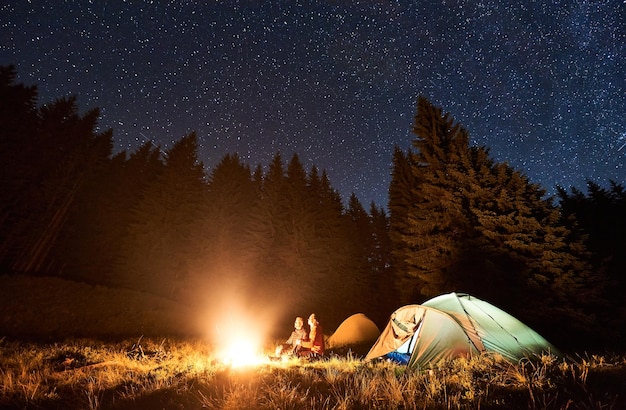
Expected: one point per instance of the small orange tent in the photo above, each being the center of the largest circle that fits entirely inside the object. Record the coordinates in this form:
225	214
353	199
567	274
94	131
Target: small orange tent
357	329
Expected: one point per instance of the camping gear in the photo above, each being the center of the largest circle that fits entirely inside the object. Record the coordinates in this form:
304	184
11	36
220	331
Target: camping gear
456	325
356	329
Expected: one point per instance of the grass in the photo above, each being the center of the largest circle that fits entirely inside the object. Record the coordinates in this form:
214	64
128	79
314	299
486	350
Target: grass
183	374
54	308
73	367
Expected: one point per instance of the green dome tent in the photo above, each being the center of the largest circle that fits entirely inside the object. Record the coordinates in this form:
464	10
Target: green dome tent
456	325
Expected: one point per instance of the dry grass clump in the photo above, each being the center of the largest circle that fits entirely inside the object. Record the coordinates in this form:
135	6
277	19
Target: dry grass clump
147	373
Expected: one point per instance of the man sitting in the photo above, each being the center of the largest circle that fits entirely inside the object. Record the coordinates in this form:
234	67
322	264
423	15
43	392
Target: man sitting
292	345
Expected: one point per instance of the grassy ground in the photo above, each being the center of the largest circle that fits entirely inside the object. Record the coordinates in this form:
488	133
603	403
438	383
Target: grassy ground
167	374
53	308
67	345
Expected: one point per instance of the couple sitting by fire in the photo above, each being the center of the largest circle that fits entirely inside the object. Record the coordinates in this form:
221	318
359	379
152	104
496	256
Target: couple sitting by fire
301	344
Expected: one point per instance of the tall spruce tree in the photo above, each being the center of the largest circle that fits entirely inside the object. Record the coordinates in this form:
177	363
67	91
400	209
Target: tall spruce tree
219	262
123	192
366	273
434	221
264	234
299	220
49	155
20	165
483	228
232	197
381	292
268	235
408	286
102	215
159	243
599	219
358	277
334	252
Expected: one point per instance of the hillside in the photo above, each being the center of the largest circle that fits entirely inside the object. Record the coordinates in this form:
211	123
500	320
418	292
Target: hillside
53	308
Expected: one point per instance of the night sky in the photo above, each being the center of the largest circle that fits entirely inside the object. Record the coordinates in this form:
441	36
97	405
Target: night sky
542	83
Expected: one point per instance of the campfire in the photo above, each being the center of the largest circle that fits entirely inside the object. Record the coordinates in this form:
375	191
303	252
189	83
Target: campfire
240	329
240	337
243	353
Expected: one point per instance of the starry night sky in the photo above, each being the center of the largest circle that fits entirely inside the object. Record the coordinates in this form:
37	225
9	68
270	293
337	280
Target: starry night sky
542	83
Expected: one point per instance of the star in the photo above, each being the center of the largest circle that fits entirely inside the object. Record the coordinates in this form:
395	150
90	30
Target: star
540	84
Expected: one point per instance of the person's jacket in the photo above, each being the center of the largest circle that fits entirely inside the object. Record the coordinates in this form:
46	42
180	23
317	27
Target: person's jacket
316	340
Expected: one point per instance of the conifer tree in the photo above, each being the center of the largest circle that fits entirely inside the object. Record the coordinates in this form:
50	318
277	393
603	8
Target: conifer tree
19	149
401	189
358	276
160	238
361	226
480	227
598	217
220	245
334	251
382	292
263	235
122	190
49	155
19	122
232	196
434	220
278	270
299	220
297	236
381	242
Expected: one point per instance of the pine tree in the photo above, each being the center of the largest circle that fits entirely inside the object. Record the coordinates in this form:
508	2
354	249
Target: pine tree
334	256
49	156
123	192
221	246
358	276
232	196
401	189
299	240
19	122
381	292
263	233
481	227
299	221
598	218
434	220
381	242
160	239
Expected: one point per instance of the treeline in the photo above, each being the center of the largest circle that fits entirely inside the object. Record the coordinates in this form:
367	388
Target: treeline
154	221
282	236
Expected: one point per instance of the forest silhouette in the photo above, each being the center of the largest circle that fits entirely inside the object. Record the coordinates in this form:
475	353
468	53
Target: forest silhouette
154	220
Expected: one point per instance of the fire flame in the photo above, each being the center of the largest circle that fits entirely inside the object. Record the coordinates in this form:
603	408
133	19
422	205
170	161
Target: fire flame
240	339
239	329
243	353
